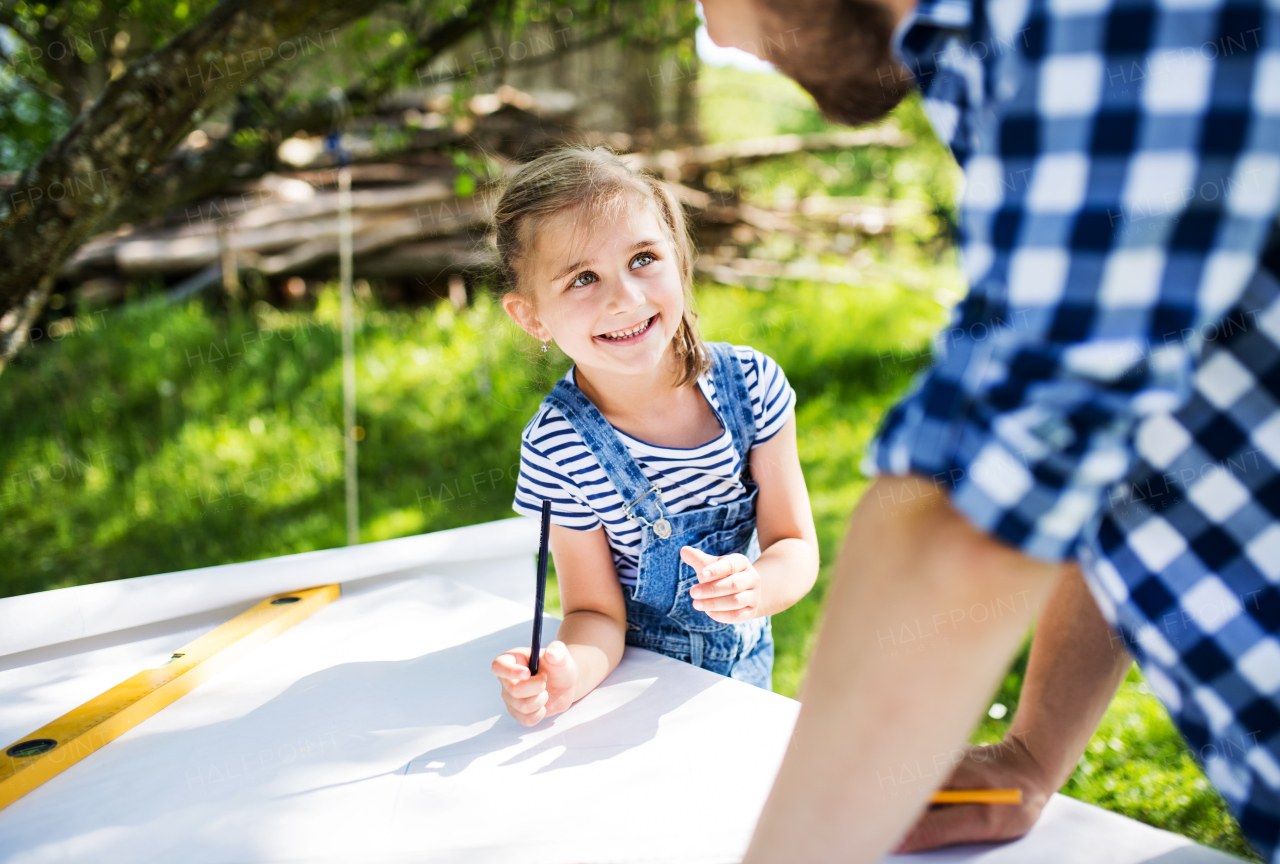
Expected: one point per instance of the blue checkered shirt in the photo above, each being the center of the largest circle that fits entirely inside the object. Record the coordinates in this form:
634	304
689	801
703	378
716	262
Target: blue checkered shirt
1109	390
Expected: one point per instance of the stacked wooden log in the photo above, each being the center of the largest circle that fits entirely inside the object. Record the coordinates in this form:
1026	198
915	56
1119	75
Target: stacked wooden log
410	220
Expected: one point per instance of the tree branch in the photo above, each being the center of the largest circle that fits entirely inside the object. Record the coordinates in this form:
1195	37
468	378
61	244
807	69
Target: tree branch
135	123
192	176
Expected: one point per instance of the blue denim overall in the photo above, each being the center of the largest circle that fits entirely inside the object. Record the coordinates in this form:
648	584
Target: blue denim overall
660	614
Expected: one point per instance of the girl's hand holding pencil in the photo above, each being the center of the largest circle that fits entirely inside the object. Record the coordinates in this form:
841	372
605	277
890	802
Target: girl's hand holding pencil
531	698
728	588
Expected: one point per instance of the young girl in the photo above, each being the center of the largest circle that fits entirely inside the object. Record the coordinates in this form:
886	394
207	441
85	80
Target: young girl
670	463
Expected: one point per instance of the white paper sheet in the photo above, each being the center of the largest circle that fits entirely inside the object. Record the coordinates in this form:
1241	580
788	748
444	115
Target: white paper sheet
374	731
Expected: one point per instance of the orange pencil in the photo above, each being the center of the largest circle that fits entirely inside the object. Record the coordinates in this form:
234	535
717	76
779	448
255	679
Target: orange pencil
977	796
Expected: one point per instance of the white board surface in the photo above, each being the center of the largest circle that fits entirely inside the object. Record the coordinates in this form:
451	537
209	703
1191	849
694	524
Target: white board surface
31	621
374	731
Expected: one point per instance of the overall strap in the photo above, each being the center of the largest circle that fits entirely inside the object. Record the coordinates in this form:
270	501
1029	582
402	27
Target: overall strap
603	442
734	397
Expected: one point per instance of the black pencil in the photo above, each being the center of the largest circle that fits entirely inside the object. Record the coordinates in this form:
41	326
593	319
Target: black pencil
541	596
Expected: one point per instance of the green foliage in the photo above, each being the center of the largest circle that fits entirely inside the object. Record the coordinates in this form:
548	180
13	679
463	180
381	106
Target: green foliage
29	122
60	54
472	168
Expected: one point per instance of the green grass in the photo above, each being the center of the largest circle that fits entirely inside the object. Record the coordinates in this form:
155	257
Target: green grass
164	438
1137	764
172	438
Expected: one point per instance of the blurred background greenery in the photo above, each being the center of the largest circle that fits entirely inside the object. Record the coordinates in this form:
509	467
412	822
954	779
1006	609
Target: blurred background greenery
155	437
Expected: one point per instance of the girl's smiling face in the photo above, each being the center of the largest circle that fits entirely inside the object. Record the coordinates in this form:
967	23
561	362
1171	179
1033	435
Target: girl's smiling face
608	293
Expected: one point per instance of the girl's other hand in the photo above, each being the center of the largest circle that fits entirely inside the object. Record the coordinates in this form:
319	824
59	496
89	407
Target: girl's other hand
728	588
532	698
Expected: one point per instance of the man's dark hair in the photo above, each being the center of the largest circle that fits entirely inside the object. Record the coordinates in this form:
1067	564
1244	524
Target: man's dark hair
838	50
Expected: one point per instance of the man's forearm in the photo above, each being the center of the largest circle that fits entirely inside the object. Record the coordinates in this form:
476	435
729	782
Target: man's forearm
1076	664
880	720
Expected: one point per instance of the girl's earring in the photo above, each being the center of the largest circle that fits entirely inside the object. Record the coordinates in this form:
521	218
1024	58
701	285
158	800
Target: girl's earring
544	347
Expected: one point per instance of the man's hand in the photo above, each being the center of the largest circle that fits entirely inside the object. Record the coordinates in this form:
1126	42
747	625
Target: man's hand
912	558
530	699
1007	765
728	588
1076	664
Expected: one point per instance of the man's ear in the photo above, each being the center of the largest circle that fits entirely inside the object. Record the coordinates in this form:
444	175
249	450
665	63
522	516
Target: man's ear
522	312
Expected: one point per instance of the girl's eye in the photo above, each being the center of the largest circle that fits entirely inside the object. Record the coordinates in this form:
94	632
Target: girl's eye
648	258
586	275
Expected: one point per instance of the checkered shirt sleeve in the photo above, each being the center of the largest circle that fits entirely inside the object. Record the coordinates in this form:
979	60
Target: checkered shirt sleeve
1122	165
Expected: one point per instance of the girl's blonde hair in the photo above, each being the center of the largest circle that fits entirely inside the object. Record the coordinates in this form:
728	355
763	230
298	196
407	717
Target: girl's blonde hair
594	181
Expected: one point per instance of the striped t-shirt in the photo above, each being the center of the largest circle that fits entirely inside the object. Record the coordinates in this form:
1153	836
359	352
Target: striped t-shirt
556	464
